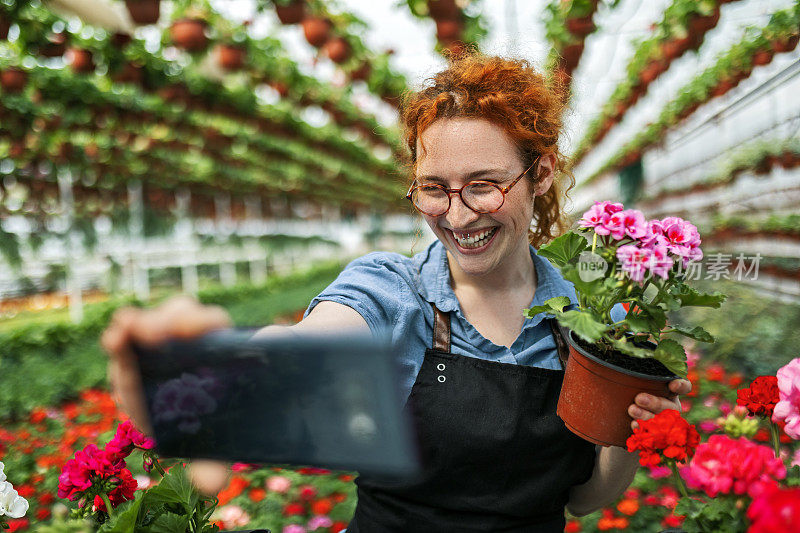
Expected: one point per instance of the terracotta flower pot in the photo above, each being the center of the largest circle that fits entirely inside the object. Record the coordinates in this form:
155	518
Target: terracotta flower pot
189	34
785	45
722	87
230	57
337	49
443	9
291	13
572	54
580	26
699	24
144	11
673	48
448	30
650	72
80	60
56	45
762	57
316	30
120	40
13	80
595	396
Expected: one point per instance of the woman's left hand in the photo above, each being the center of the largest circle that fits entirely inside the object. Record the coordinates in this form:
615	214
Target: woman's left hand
646	406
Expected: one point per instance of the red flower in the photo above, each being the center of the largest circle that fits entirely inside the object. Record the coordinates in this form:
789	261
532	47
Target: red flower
573	526
715	372
672	520
37	415
322	506
666	435
43	513
257	494
337	526
307	493
294	508
26	491
775	510
234	488
18	525
46	498
123	492
760	398
312	471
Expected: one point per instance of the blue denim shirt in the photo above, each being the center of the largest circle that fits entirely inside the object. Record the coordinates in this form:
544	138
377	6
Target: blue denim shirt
394	294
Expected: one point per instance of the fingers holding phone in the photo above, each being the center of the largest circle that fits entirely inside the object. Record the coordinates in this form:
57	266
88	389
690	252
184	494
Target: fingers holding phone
179	317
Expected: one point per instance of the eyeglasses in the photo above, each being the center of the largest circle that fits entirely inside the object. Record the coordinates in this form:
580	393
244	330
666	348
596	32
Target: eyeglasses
482	197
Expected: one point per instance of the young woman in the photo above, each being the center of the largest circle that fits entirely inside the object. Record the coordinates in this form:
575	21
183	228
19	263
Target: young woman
481	380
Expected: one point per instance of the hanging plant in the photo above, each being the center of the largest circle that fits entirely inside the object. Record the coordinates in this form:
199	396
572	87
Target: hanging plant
337	49
443	9
144	11
80	60
316	30
13	80
189	34
290	11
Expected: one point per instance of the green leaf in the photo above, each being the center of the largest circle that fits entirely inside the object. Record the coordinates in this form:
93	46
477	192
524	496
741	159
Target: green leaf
690	296
556	304
629	348
583	325
169	523
174	488
638	323
672	356
588	288
697	333
656	315
562	250
124	520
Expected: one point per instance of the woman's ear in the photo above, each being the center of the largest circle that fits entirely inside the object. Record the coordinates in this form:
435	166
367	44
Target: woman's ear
545	173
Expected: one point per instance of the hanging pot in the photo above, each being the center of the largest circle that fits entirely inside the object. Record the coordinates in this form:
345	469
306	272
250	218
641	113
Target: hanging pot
596	394
316	30
572	55
5	25
362	72
13	80
443	9
291	13
81	61
448	30
762	57
230	57
337	49
120	40
580	26
189	34
144	11
786	44
673	48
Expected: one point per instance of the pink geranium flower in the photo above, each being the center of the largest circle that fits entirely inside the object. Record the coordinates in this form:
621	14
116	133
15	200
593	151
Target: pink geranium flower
319	521
280	484
629	222
682	239
654	234
233	516
89	465
598	214
126	439
660	261
788	408
124	491
725	465
635	260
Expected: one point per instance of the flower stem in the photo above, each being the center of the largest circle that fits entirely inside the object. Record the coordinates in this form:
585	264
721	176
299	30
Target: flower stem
594	242
678	480
109	509
775	437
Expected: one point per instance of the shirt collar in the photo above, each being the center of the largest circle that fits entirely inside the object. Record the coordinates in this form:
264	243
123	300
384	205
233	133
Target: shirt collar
435	281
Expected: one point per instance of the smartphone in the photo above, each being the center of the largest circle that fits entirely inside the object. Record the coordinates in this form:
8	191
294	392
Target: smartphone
331	401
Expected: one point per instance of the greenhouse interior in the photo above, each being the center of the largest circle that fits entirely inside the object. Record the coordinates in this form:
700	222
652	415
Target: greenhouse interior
265	156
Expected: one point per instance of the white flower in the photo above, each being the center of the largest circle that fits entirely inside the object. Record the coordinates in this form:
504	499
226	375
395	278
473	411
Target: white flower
11	503
2	474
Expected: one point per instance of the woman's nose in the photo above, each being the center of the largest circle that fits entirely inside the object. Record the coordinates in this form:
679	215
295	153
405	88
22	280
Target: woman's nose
459	215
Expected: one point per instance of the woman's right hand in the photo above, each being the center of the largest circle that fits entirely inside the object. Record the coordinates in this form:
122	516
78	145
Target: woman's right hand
180	317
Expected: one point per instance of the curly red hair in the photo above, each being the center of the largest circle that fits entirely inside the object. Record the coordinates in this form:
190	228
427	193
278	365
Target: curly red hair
513	95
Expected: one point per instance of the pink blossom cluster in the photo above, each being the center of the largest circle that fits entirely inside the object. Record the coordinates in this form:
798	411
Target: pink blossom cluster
93	470
788	407
655	244
775	510
740	466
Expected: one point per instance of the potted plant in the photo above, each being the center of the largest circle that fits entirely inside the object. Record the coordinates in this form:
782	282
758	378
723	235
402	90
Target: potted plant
189	31
337	49
616	257
13	80
144	11
81	60
316	30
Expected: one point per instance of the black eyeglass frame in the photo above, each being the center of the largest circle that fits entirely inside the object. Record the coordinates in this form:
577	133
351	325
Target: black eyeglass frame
449	192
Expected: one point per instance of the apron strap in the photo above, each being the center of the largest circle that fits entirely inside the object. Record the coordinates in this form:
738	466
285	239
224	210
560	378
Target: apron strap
561	343
441	330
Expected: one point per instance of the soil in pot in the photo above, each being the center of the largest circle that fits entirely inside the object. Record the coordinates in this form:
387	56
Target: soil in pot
649	366
144	11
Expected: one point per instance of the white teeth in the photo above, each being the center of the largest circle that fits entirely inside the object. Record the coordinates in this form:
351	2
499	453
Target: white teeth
477	240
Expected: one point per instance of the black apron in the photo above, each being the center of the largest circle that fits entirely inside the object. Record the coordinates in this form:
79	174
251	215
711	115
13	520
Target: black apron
496	456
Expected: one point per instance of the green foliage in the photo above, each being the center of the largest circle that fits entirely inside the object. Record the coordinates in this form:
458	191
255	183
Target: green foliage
564	249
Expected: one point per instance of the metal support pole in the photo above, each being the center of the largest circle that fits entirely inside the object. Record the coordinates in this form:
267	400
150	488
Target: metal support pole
72	243
141	281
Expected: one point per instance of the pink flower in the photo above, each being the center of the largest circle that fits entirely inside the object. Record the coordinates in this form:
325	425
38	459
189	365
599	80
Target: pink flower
126	439
319	521
708	426
725	465
629	222
124	490
634	260
233	516
796	458
654	234
788	408
660	263
660	472
682	239
294	528
774	511
279	484
597	216
88	466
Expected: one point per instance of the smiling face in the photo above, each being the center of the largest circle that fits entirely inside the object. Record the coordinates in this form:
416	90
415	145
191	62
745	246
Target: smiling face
459	150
